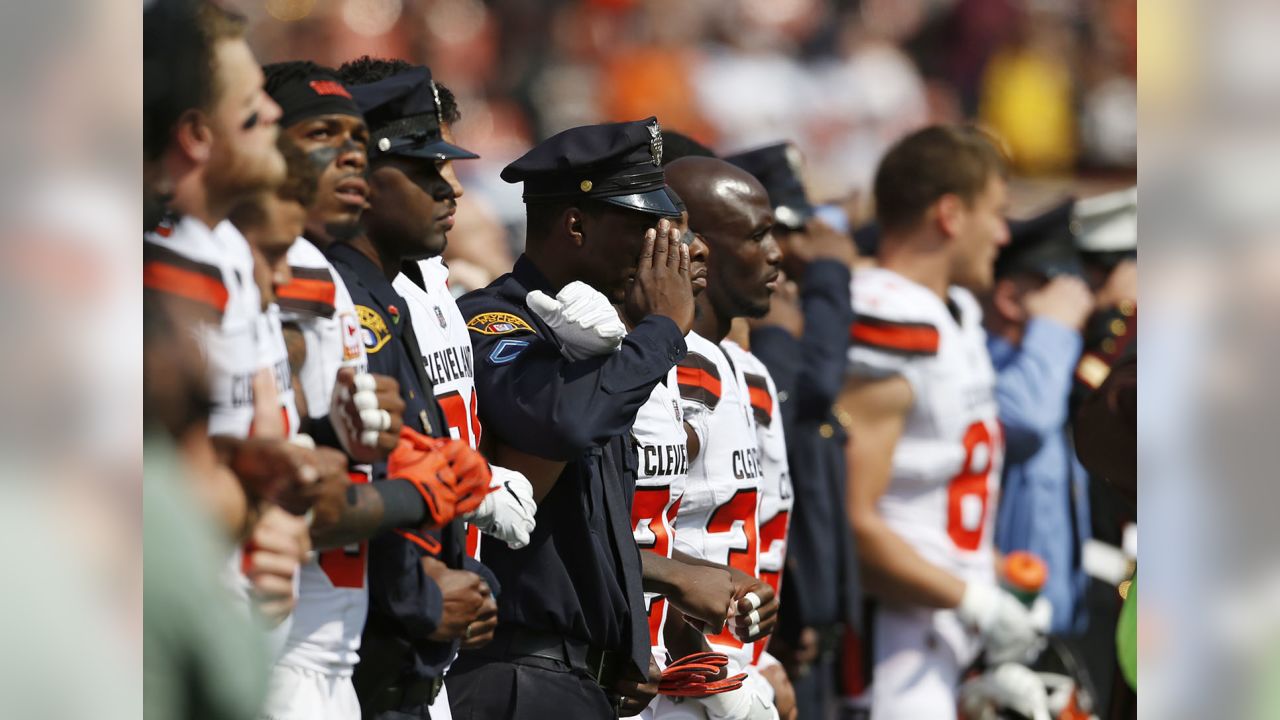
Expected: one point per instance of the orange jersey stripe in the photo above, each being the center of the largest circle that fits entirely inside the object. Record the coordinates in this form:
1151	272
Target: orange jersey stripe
320	291
909	338
188	284
697	377
761	399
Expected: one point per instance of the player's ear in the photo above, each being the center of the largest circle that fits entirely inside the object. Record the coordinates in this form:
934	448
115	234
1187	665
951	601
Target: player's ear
572	220
194	137
949	211
1006	298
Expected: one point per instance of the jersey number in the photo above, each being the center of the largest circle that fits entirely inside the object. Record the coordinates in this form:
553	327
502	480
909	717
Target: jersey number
651	534
345	565
968	495
741	509
462	425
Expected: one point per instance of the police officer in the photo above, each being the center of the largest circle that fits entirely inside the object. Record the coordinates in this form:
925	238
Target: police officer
572	635
421	603
803	344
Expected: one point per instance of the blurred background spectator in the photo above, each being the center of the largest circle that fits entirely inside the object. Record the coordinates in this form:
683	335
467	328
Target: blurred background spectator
842	79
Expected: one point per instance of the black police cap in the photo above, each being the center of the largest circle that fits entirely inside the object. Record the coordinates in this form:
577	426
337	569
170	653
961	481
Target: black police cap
777	167
1042	245
404	117
616	163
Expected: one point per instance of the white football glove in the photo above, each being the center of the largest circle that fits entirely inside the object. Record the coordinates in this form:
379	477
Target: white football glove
1006	687
507	512
745	703
1007	628
582	318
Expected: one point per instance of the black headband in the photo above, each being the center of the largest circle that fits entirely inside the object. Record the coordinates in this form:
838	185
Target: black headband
317	94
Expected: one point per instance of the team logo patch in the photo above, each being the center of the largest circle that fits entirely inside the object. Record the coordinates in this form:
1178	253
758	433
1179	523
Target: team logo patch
507	350
351	340
373	329
497	323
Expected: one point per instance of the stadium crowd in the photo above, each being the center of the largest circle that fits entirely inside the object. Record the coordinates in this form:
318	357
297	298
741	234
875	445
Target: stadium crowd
669	439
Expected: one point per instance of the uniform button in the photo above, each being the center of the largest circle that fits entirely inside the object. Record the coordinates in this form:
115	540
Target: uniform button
410	394
1118	327
1127	308
826	431
1108	346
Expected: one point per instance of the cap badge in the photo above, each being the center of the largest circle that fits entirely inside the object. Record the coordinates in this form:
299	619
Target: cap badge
585	186
793	158
655	144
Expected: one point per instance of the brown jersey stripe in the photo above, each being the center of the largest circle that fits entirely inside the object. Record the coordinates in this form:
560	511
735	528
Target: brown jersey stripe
911	338
187	284
311	273
761	400
314	297
151	252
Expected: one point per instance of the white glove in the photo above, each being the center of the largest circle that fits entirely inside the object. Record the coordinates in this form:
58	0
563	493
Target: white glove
1007	687
1007	628
745	703
582	318
507	512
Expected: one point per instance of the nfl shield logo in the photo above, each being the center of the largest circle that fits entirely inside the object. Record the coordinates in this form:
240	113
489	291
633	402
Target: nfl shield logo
440	316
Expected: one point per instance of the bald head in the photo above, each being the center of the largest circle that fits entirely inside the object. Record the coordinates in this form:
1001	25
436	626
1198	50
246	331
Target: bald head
716	192
730	210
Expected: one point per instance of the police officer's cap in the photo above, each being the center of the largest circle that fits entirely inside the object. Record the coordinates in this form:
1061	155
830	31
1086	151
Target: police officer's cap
616	163
404	117
1041	245
1106	226
777	167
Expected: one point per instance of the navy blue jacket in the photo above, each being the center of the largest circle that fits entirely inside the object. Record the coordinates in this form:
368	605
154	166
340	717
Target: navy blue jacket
580	574
405	604
820	587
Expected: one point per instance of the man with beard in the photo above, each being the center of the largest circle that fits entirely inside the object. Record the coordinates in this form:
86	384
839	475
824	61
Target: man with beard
717	520
422	601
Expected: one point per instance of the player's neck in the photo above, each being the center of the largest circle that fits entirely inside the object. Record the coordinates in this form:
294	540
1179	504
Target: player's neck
924	261
192	199
707	323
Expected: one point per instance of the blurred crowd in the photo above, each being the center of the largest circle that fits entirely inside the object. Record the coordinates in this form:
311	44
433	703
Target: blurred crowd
330	325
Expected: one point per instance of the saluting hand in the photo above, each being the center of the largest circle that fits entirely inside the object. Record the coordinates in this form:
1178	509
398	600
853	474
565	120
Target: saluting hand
662	285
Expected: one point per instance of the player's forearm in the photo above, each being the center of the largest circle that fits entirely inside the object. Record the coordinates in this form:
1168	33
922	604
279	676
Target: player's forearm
892	570
369	509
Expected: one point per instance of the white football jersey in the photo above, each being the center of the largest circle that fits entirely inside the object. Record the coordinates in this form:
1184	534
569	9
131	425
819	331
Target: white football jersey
317	301
447	355
212	270
274	354
946	467
776	497
662	459
718	515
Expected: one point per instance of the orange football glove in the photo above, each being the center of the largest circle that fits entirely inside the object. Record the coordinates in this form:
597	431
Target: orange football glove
472	473
699	675
428	469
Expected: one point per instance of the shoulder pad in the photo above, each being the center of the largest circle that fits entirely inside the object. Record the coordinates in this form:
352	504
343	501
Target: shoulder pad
167	271
699	380
311	292
761	398
893	314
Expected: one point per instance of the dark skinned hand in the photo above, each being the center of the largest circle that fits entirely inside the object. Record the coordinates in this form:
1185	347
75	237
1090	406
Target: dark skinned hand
662	284
482	628
784	695
704	594
765	616
464	594
344	413
637	695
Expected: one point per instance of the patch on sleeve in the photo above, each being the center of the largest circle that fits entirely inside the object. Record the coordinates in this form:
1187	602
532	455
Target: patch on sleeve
351	336
507	350
761	400
699	380
903	338
497	323
373	329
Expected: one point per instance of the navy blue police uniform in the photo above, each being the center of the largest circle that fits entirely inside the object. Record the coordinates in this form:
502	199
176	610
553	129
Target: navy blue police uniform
820	588
572	614
400	670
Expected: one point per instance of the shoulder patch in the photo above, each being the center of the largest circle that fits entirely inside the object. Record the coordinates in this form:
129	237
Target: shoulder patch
699	380
507	350
761	400
903	338
497	323
373	329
